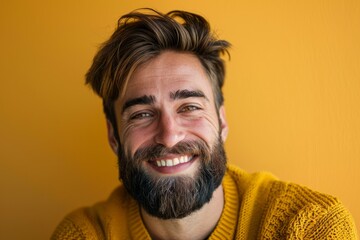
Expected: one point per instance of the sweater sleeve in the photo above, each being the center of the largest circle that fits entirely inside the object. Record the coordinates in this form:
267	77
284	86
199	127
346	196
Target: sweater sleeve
80	224
315	222
296	212
67	230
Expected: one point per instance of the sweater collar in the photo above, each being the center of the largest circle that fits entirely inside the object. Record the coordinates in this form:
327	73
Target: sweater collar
226	227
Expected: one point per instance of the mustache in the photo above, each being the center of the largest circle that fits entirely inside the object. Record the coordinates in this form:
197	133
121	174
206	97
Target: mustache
156	151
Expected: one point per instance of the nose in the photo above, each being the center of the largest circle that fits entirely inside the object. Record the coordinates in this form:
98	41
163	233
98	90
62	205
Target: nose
169	131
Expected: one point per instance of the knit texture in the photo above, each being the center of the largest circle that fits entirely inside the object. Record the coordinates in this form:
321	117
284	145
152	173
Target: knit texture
257	206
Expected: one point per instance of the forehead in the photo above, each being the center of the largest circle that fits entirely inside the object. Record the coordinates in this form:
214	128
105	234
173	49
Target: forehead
170	71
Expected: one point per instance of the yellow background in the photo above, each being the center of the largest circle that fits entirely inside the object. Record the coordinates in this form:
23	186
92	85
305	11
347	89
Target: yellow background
292	97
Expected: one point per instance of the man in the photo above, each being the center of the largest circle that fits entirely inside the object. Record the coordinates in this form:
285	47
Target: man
160	78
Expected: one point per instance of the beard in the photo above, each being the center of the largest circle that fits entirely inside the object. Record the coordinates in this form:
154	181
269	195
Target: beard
173	197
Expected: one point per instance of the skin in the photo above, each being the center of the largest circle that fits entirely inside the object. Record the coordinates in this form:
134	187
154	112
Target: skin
167	120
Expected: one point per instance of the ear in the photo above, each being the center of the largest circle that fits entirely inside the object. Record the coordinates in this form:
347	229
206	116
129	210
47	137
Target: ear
111	137
223	123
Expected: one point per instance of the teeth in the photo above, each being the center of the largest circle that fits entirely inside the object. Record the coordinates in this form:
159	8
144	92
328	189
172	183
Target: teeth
169	163
172	162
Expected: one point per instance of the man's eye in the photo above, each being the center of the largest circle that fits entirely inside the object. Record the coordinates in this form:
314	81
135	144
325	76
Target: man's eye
189	108
140	115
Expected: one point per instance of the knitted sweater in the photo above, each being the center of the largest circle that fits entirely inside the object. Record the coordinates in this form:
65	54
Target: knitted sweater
257	206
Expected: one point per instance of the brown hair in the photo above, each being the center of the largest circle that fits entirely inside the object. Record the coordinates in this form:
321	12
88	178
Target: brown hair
141	36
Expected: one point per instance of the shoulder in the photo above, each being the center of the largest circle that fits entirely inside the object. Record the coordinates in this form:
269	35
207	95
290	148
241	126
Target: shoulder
93	222
282	210
295	211
80	224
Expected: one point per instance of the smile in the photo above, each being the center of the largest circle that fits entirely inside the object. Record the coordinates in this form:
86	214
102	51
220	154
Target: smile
173	162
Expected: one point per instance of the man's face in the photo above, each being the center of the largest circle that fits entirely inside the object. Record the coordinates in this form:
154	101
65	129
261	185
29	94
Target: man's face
171	135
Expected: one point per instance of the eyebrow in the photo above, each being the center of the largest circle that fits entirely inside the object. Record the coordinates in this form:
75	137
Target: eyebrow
143	100
182	94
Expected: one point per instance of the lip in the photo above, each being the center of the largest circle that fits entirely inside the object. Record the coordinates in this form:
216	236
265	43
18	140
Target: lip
167	167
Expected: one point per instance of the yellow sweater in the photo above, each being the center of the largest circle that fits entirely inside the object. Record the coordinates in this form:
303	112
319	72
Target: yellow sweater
257	206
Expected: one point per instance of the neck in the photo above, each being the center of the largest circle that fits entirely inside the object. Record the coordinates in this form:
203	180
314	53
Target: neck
197	225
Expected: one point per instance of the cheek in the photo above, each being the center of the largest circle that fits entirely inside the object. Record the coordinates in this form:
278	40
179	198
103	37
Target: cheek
133	138
206	128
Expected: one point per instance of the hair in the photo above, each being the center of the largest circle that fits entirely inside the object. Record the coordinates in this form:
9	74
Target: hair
141	36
